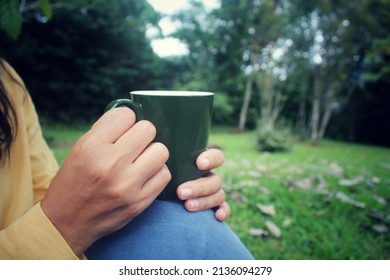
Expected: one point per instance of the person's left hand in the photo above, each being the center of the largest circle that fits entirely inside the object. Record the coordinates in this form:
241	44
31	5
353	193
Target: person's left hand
206	192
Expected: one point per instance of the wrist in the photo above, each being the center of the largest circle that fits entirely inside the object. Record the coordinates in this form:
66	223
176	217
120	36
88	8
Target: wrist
76	241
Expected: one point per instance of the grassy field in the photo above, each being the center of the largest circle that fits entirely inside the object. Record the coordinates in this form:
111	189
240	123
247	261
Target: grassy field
326	202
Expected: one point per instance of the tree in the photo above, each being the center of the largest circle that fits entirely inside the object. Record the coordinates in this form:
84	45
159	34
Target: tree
88	53
199	31
341	33
265	28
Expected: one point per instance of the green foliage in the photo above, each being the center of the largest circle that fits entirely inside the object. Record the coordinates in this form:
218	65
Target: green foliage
271	139
10	18
89	53
222	109
46	9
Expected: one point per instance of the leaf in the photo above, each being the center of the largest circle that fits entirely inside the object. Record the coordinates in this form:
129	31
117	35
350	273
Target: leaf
380	228
273	229
46	9
321	183
344	198
336	170
351	182
10	18
305	183
375	180
372	182
258	232
287	222
266	209
261	167
264	190
254	174
249	183
385	165
379	199
245	163
378	215
237	197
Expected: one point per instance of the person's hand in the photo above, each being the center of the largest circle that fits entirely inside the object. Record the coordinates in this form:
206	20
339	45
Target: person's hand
110	176
206	192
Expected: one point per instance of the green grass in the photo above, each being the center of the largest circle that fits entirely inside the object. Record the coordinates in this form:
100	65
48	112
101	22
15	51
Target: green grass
321	226
61	138
303	186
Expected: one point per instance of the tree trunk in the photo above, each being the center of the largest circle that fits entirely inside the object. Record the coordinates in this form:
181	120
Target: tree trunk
266	99
301	126
278	104
325	121
316	110
301	123
245	104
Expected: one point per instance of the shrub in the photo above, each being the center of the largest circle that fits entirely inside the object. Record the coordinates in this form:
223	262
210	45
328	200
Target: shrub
222	109
271	139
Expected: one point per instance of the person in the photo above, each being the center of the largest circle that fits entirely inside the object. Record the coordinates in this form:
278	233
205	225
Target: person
57	213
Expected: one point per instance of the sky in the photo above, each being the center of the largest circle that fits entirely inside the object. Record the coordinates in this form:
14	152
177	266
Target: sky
171	46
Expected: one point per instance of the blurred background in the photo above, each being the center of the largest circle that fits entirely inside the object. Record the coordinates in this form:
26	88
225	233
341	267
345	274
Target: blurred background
301	107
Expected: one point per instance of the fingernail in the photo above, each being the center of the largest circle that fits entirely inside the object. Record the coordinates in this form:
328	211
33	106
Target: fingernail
194	203
222	215
185	193
205	163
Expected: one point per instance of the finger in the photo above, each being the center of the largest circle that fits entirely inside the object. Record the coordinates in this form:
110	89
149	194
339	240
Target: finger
113	124
148	192
135	140
210	159
223	212
206	202
155	185
203	186
149	162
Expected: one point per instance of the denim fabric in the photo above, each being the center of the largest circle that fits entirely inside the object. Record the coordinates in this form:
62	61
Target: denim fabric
166	231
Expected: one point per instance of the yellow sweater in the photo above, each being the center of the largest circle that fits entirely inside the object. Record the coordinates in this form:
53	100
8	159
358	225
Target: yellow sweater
25	230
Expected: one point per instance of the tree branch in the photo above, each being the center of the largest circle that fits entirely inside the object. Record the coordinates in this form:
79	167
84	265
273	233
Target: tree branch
23	8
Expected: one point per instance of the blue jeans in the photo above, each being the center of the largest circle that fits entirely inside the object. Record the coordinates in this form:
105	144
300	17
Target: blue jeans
166	231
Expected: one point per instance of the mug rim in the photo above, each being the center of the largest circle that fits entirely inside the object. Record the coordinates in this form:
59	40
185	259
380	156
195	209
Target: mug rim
171	93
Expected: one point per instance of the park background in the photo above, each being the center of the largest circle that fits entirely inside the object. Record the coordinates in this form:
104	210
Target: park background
301	103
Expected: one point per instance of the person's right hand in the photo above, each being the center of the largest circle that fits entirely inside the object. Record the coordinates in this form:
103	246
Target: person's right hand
110	176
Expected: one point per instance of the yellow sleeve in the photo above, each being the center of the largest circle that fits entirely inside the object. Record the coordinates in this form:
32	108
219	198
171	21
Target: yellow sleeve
33	237
43	163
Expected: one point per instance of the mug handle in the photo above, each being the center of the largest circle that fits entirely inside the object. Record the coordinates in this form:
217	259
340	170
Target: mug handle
136	107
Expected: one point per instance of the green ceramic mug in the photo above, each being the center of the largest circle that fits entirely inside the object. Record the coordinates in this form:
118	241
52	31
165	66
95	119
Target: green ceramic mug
182	120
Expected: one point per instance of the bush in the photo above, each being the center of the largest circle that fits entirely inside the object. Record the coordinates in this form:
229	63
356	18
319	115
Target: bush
222	109
271	139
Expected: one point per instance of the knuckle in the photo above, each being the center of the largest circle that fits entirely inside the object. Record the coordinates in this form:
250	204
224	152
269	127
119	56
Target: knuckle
218	181
223	196
83	150
86	159
99	171
148	128
134	209
161	150
219	157
124	114
222	156
116	195
165	175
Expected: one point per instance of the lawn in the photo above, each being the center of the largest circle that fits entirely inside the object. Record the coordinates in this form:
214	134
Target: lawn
325	202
